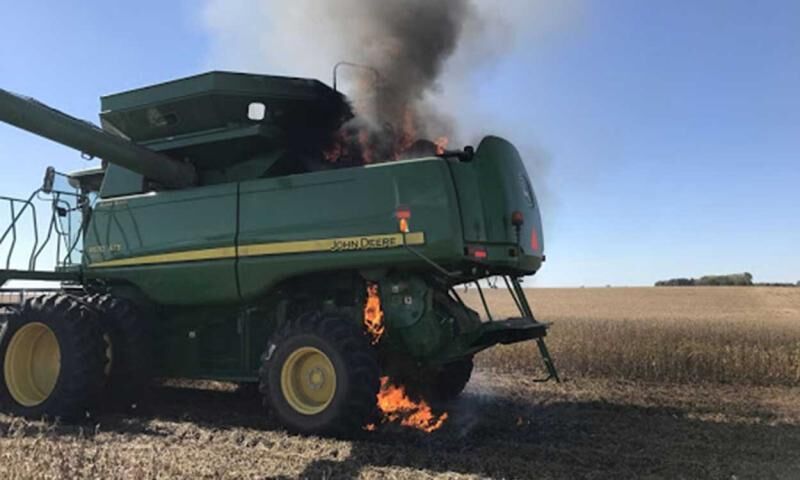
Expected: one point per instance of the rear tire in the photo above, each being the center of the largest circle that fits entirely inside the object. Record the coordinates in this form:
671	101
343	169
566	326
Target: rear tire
130	357
440	385
320	375
450	381
51	359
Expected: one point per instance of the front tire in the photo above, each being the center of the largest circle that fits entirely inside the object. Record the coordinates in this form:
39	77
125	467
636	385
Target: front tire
51	358
320	375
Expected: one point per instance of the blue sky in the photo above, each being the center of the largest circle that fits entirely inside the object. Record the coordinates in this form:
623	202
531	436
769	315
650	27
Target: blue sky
669	130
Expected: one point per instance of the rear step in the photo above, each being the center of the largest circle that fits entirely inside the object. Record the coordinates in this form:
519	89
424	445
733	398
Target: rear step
518	329
511	330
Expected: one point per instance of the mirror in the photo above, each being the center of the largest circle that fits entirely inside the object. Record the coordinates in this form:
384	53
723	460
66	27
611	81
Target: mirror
256	111
49	180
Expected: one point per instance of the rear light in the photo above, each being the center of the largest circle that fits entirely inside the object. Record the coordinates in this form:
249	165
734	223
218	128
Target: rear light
478	252
517	219
403	214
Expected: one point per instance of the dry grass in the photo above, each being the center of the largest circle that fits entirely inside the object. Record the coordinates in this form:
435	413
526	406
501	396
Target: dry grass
505	425
734	335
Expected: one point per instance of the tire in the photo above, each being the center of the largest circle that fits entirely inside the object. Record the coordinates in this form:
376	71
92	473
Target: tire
441	385
301	359
129	368
51	359
451	380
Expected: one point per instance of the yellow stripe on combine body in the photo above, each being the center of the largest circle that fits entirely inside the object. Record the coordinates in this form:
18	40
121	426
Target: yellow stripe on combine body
188	256
341	244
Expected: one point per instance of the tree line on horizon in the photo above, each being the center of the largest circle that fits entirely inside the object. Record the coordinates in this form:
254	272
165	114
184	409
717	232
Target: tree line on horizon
731	280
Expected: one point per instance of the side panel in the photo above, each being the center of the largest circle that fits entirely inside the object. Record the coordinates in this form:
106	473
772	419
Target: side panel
202	342
505	187
491	187
344	219
178	247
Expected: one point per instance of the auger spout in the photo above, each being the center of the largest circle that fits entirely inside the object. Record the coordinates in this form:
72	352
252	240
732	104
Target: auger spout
40	119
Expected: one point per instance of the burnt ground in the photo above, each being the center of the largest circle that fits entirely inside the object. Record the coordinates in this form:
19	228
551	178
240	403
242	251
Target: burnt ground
505	426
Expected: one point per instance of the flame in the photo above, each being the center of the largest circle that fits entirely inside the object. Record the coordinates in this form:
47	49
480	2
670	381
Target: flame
441	145
335	151
366	146
364	143
373	314
398	407
409	134
392	399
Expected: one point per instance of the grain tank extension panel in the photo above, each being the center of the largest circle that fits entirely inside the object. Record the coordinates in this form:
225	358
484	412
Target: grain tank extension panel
209	119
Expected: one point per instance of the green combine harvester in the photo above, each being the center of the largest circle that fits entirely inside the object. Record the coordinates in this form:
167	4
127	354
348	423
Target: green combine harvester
215	243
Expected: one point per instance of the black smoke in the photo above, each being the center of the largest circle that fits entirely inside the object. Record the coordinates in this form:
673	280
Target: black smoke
403	46
408	42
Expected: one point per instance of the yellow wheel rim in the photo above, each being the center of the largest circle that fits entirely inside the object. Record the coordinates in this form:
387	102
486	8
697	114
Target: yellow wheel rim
308	380
32	364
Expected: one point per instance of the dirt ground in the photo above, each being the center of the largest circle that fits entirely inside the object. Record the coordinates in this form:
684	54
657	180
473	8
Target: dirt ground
504	426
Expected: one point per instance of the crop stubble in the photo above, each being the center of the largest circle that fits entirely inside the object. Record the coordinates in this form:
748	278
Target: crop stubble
684	382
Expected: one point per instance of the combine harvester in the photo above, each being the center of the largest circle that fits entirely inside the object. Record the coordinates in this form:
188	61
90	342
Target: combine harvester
214	243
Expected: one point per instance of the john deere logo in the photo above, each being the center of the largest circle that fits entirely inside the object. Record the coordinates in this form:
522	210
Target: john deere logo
365	243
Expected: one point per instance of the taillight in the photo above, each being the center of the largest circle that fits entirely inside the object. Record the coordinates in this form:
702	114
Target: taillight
517	219
403	214
478	252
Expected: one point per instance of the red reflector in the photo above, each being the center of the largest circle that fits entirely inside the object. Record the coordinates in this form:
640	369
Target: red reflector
402	213
534	240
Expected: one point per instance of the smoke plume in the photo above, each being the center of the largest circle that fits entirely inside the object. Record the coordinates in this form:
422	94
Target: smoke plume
399	50
404	46
429	54
408	43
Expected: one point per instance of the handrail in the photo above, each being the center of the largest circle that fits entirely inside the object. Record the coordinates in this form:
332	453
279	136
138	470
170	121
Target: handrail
57	232
15	218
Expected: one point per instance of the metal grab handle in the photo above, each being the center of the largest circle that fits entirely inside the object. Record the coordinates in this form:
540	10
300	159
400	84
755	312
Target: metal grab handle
15	218
54	230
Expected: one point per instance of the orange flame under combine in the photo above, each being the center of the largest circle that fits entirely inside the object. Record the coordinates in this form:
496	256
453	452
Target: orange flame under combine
373	314
393	401
398	407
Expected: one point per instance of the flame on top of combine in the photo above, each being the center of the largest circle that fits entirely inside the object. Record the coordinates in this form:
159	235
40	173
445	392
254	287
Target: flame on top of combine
363	142
397	406
441	145
373	314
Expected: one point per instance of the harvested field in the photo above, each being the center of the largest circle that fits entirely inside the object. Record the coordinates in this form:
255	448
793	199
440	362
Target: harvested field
612	418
